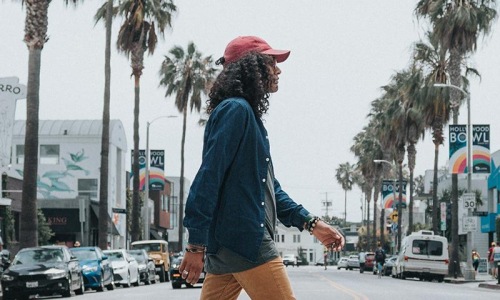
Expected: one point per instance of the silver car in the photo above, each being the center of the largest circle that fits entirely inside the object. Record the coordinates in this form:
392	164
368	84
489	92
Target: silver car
125	267
342	263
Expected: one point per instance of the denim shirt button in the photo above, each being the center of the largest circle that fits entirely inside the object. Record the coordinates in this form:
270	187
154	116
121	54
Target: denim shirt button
261	225
267	158
263	180
262	203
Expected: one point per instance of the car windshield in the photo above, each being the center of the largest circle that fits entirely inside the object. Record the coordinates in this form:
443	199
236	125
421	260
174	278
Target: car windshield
139	256
115	256
36	256
85	254
148	247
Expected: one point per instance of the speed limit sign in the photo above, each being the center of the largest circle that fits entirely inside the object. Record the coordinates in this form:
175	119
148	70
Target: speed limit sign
469	200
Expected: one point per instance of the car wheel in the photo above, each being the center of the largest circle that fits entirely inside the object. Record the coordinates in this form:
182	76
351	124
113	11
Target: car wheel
111	285
188	285
81	289
67	292
8	296
161	273
100	288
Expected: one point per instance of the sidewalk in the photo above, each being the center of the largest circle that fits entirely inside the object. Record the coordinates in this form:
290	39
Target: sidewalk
484	280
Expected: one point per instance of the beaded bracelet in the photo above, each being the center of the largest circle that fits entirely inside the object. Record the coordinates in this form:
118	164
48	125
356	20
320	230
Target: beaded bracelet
311	224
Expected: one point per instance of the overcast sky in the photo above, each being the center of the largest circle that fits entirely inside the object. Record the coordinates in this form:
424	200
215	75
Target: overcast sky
342	52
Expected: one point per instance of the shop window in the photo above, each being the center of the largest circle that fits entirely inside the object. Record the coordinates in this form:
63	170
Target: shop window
19	154
49	154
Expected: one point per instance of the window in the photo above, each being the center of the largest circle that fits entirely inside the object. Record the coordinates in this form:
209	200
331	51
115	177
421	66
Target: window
87	187
49	154
282	238
19	154
425	247
296	238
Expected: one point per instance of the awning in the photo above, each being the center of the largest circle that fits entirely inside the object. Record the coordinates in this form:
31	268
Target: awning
111	225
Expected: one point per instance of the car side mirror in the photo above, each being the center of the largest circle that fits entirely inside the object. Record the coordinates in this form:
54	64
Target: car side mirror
104	257
73	257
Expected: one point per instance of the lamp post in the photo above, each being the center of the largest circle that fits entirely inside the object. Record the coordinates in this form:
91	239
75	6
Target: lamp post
146	183
398	240
470	274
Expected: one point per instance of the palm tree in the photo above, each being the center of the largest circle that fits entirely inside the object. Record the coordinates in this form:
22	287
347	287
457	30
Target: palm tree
35	37
457	24
188	75
105	12
344	175
137	34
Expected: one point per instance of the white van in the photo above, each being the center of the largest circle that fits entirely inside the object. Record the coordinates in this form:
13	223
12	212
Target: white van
422	255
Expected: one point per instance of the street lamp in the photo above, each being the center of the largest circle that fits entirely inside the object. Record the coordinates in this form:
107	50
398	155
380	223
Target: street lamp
394	196
146	184
470	274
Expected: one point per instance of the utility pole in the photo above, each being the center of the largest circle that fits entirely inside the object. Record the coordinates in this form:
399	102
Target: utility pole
326	204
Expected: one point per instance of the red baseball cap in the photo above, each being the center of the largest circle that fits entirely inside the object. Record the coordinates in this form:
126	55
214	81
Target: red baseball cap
241	45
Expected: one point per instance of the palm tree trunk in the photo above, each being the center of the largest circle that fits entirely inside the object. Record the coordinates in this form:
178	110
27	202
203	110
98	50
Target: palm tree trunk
412	153
103	181
181	188
29	220
400	204
136	216
455	60
435	219
345	208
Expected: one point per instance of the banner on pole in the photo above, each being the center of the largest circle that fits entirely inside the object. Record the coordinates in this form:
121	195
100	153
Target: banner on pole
142	169
388	194
157	170
481	157
458	149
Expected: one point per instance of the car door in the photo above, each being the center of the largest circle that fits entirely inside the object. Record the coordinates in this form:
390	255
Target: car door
105	265
133	266
73	267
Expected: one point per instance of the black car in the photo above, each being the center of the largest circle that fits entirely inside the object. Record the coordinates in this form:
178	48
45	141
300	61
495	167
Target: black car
43	271
147	270
175	276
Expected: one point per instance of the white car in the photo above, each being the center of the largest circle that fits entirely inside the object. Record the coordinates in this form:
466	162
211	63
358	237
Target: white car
125	267
353	262
290	260
342	263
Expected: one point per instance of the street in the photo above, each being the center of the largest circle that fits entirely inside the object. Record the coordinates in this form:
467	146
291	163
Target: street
313	282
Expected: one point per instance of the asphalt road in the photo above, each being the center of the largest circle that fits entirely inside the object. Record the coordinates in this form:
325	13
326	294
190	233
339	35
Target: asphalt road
315	283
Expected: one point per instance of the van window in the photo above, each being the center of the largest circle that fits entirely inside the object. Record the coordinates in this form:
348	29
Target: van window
425	247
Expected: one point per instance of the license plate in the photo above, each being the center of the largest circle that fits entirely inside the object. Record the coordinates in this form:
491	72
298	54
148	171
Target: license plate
32	284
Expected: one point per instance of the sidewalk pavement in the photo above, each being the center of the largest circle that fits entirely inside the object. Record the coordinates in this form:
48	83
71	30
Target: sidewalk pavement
484	280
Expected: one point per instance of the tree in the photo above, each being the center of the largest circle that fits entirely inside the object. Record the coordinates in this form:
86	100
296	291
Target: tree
45	233
457	24
344	175
35	37
136	36
105	12
188	75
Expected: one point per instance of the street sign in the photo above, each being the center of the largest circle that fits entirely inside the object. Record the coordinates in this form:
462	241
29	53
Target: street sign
480	213
469	200
119	210
443	215
469	224
394	216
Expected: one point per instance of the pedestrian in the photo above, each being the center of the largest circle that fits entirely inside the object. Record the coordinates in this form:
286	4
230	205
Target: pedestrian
491	261
475	259
76	244
325	257
379	259
235	200
362	258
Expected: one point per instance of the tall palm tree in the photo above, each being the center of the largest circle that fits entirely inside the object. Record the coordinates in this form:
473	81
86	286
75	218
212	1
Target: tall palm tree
35	37
344	174
105	12
188	75
138	34
457	24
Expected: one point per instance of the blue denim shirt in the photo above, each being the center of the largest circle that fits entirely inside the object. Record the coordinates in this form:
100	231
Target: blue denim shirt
225	206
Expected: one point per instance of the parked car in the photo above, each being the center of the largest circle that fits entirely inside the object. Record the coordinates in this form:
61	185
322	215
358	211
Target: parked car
353	262
43	271
387	267
342	263
147	271
96	268
369	263
125	267
158	251
290	260
176	278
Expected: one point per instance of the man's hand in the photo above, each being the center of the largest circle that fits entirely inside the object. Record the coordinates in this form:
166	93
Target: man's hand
192	266
329	236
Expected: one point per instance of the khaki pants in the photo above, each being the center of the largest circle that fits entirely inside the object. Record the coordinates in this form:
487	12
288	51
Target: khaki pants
265	282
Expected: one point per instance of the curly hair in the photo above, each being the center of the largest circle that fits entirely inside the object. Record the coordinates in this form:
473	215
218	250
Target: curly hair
249	78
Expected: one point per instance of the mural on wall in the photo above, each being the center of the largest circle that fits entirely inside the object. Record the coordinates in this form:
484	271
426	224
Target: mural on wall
54	180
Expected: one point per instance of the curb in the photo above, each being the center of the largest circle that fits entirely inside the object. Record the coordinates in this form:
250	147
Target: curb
490	286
